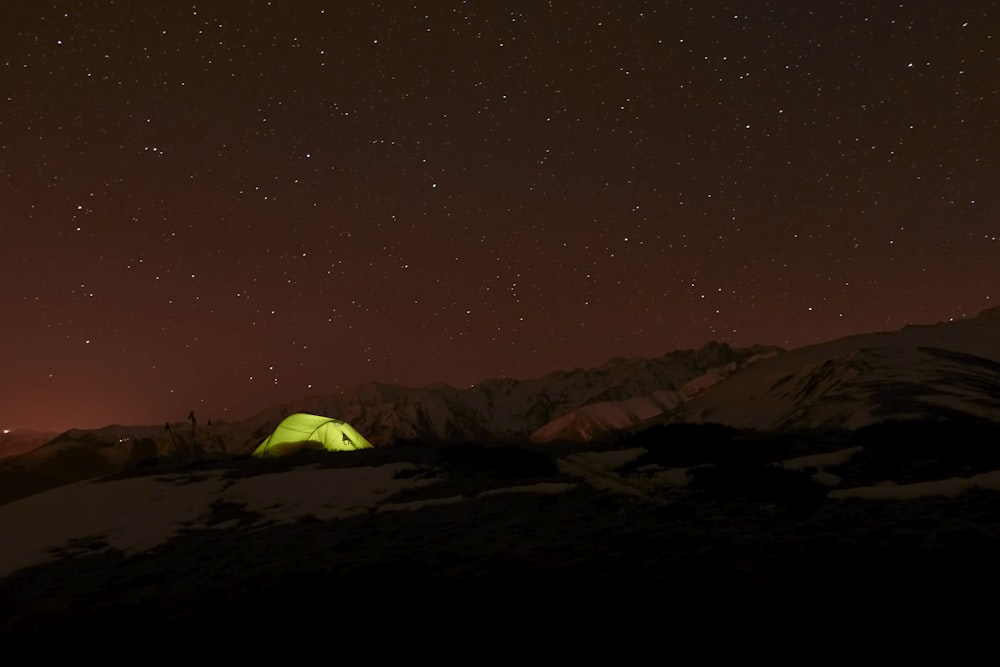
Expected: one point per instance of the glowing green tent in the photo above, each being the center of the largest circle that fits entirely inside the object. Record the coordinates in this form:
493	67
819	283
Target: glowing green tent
304	431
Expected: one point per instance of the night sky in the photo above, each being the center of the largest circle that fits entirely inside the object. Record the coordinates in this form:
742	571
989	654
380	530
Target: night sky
224	206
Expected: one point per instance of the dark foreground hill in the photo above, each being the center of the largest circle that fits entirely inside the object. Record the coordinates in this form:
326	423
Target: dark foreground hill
673	526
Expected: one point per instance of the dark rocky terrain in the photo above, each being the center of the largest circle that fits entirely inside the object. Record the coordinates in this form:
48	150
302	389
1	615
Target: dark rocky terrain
664	525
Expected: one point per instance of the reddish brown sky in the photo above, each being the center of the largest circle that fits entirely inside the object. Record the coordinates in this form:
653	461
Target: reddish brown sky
225	206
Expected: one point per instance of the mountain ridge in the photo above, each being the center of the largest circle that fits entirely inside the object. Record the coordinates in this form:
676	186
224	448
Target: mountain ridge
857	380
502	409
946	369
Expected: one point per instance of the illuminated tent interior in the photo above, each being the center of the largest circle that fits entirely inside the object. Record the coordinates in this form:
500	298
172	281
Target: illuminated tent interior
304	431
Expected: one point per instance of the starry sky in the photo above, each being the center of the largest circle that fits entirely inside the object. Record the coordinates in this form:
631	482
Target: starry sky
224	206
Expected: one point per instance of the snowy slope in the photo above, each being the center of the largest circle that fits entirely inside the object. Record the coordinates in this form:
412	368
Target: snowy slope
947	368
192	553
611	396
596	419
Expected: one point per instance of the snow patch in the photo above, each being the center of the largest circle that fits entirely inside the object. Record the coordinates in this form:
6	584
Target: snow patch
948	488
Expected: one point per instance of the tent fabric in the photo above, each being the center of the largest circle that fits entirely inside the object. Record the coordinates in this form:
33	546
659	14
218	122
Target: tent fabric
305	431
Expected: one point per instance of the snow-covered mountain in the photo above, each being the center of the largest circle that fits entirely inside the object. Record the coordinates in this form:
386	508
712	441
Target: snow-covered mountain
565	405
947	369
951	368
596	419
